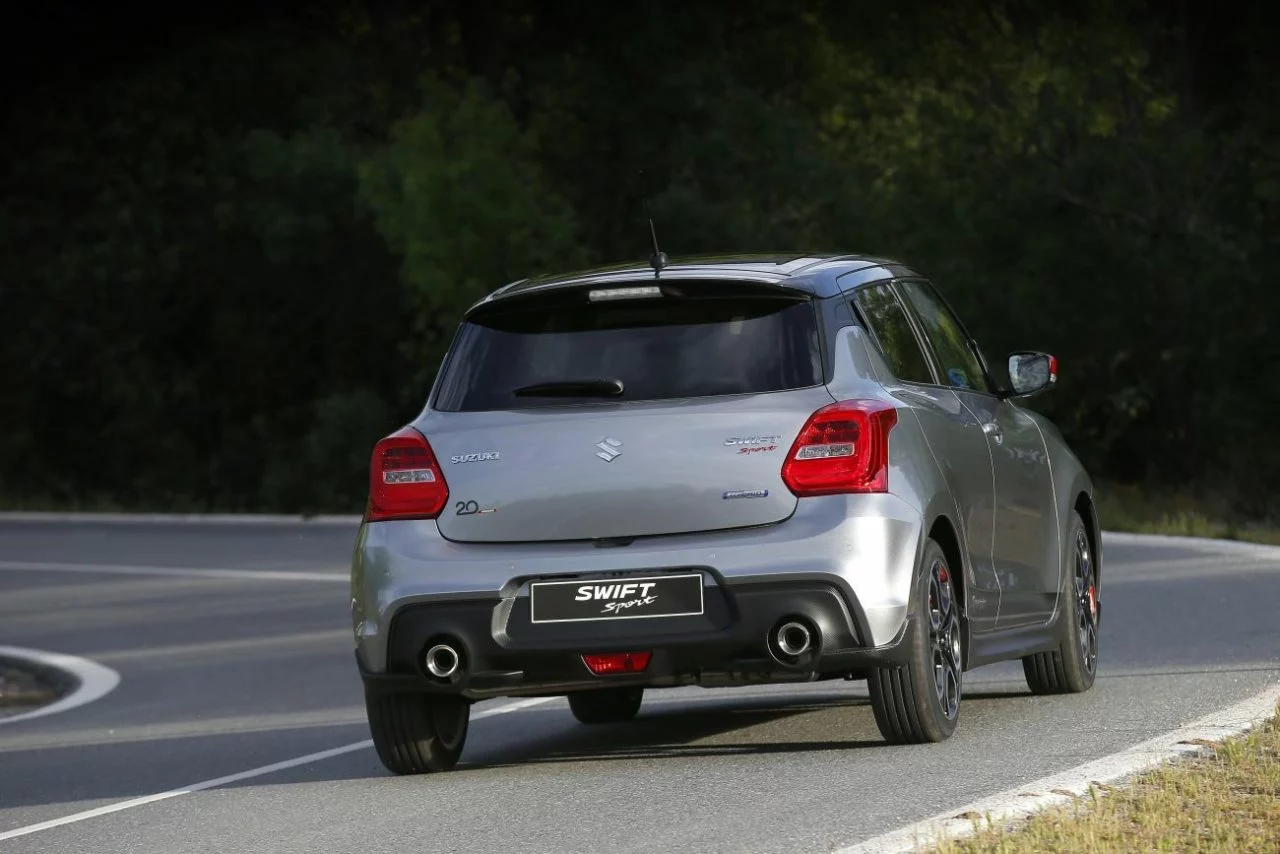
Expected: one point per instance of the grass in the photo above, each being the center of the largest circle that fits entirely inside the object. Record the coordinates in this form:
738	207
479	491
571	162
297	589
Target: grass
1228	800
20	689
1184	514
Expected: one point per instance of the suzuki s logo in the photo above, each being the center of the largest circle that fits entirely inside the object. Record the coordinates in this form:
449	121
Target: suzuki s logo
609	450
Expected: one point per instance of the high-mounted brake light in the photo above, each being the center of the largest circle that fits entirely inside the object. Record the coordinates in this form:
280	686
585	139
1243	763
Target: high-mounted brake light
842	448
405	480
624	293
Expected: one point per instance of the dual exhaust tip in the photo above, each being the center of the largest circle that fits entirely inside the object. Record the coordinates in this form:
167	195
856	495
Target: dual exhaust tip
792	641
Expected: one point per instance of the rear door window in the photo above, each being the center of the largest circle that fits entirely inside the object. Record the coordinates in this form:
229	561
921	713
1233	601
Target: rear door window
694	341
947	337
889	323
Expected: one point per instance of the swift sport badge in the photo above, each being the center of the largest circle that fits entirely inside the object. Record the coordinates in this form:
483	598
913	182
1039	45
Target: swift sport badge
752	440
616	599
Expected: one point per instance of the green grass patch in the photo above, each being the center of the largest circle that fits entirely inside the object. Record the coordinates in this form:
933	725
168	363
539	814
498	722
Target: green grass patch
1184	514
1226	801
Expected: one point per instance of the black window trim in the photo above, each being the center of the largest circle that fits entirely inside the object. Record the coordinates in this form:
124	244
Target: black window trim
922	338
929	359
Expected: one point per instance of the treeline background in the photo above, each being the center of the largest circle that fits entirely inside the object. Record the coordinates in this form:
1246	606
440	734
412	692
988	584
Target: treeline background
234	244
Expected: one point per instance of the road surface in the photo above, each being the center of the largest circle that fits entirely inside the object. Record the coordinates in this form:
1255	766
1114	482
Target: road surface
232	646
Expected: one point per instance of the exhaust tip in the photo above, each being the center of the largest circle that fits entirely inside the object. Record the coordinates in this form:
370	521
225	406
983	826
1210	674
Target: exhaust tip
793	639
442	660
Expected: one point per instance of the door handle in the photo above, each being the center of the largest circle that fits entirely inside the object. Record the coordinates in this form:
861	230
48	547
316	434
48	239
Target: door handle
993	430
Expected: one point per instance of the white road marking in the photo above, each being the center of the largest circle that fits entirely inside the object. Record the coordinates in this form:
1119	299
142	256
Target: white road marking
185	790
1059	789
176	571
96	681
23	739
242	775
1198	544
257	643
1003	807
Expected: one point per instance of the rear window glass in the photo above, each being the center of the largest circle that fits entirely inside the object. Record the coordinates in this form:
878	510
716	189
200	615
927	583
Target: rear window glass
657	348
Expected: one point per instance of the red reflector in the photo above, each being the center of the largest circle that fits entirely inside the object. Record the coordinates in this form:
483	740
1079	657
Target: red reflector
616	662
842	448
405	480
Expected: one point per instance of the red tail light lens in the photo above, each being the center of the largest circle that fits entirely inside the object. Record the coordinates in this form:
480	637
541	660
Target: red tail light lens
616	662
842	448
405	480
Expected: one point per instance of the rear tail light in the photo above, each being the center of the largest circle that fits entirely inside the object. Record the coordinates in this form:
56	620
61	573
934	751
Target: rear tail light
842	448
616	662
405	480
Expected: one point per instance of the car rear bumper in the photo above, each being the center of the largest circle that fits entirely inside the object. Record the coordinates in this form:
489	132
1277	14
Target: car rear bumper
845	561
502	653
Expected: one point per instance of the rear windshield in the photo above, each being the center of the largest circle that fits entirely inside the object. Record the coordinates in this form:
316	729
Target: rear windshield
657	348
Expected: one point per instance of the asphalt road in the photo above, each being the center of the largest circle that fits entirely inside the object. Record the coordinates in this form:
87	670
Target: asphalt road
229	671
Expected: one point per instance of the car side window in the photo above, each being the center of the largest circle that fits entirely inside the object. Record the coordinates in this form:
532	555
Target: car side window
960	365
891	327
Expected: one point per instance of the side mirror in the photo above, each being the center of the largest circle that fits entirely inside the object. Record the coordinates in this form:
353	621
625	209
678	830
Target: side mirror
1030	372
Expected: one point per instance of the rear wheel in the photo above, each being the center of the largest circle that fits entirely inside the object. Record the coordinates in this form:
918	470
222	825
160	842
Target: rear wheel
1070	669
920	702
417	733
606	706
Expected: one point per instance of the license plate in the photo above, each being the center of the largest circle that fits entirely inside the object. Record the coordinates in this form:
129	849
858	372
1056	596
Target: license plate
616	599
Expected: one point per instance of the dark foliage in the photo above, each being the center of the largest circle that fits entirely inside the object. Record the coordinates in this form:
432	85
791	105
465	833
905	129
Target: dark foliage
234	247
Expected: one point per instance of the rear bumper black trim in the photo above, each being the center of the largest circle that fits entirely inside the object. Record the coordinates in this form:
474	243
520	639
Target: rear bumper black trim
506	655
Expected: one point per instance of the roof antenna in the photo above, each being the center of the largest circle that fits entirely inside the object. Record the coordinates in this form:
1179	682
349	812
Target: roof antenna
658	259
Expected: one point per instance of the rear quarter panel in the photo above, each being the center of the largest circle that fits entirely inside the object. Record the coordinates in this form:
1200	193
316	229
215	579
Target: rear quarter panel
915	475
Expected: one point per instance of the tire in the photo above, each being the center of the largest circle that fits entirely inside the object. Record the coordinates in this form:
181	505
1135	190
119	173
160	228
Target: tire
606	706
1071	668
920	702
418	733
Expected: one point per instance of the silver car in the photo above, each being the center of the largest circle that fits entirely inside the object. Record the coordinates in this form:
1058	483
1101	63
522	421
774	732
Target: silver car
719	472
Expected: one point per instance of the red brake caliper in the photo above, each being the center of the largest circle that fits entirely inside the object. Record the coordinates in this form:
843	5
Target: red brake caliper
1093	601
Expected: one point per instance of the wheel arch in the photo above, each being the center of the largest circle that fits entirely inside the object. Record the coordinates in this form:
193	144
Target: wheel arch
1088	511
944	533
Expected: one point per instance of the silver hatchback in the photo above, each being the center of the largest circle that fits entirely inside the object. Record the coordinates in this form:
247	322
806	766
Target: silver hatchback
725	471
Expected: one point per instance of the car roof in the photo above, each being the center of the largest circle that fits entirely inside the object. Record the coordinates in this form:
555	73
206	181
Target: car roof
813	273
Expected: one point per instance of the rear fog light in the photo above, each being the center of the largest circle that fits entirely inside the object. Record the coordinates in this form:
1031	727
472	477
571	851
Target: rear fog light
613	663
